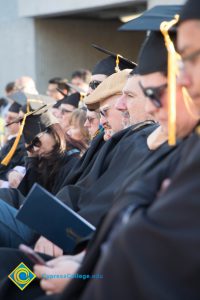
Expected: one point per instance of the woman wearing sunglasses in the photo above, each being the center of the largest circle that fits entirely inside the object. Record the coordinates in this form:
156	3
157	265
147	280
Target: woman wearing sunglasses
50	156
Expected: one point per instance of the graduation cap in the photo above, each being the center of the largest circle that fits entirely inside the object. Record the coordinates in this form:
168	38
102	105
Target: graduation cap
190	11
37	121
32	123
152	18
113	63
17	103
31	100
153	54
74	87
73	99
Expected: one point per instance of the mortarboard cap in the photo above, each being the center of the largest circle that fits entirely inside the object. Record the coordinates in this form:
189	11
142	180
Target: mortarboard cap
15	107
35	101
112	63
190	11
10	154
73	99
153	54
36	122
18	102
152	18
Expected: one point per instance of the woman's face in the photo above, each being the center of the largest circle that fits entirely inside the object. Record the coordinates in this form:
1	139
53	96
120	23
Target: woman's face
42	145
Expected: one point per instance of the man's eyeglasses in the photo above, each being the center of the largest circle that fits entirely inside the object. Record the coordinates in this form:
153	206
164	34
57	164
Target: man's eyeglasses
154	93
94	84
103	111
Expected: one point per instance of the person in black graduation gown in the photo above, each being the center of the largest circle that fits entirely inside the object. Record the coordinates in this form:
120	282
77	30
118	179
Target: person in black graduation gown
103	69
20	153
48	162
49	154
143	192
96	217
156	256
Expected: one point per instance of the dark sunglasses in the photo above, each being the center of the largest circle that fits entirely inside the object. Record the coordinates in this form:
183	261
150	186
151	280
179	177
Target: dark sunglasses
35	143
154	93
94	84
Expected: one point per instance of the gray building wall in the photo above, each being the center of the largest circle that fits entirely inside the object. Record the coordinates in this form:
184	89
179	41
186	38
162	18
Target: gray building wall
17	44
63	45
44	48
152	3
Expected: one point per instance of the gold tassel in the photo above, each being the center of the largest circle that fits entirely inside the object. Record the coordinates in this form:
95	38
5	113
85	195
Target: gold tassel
82	96
117	69
10	154
172	71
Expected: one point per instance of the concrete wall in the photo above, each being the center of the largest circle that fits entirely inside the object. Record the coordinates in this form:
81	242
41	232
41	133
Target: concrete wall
52	7
17	44
63	45
152	3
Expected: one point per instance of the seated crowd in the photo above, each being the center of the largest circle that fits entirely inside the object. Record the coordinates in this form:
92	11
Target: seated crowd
101	144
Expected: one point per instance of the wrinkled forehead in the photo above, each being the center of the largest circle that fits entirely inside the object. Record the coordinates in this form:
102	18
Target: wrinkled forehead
110	101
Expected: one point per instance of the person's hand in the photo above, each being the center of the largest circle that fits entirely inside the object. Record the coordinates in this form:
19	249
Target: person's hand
1	183
33	152
14	179
45	246
58	266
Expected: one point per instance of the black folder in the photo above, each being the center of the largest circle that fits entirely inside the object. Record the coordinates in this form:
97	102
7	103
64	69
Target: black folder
49	217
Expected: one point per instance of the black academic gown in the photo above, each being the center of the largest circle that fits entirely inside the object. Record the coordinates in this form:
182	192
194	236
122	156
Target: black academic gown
156	254
116	283
82	167
131	160
141	199
32	176
15	197
103	157
17	159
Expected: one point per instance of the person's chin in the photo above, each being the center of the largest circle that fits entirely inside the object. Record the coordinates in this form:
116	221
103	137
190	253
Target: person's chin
107	134
164	126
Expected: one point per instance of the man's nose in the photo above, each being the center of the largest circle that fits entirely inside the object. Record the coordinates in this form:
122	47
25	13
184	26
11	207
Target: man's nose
121	103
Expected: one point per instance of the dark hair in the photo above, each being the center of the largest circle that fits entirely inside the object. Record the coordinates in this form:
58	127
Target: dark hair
85	75
49	165
61	83
10	87
79	145
3	102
